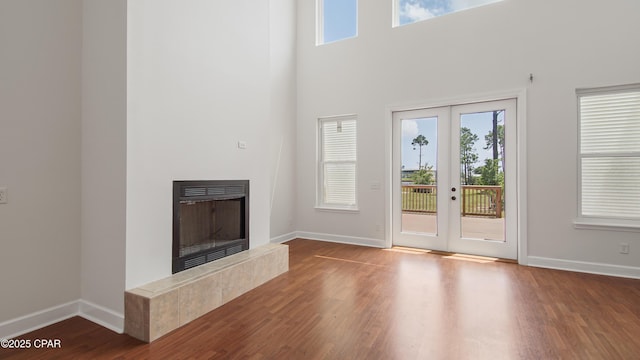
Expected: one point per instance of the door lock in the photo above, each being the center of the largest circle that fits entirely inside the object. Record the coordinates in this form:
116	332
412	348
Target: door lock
453	189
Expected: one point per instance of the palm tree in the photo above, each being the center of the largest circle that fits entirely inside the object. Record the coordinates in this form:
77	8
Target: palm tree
421	141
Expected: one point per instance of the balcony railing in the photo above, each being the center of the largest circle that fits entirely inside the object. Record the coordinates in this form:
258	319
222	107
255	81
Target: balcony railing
419	198
477	200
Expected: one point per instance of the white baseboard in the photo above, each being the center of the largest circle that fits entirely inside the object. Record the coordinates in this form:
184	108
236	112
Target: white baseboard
24	324
283	238
39	319
585	267
102	316
341	239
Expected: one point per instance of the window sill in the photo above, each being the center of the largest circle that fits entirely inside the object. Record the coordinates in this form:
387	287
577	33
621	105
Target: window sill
337	209
607	224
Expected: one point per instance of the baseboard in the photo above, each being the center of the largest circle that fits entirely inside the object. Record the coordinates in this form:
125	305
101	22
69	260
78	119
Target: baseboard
341	239
102	316
90	311
585	267
283	238
24	324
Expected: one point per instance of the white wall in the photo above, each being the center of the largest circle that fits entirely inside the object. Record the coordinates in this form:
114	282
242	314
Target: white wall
566	45
282	124
40	52
198	81
104	96
93	122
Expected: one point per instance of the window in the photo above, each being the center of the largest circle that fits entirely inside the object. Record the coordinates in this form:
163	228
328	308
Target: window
410	11
609	155
336	20
337	162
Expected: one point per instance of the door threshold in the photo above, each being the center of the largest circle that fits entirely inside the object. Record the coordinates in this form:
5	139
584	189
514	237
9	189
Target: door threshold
451	255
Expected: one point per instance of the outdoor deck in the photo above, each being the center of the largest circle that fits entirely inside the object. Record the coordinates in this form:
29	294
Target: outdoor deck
482	209
472	227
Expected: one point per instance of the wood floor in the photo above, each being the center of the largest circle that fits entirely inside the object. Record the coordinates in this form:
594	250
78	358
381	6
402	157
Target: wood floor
349	302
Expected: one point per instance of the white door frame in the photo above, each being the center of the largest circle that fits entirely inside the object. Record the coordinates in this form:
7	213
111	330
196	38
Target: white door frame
521	173
439	240
457	243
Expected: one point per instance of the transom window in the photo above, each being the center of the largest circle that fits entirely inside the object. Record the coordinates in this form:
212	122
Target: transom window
336	20
609	153
410	11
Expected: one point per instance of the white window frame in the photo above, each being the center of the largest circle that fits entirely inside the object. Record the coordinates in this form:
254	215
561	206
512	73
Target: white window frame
320	24
602	222
321	204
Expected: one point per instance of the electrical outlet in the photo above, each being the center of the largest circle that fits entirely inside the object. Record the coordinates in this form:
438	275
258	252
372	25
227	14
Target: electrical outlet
624	248
3	195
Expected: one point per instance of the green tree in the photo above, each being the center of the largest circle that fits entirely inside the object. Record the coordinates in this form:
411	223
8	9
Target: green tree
420	141
468	155
423	176
489	173
490	143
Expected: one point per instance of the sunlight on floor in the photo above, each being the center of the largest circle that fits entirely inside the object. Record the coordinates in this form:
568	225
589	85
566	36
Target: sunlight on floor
347	260
446	255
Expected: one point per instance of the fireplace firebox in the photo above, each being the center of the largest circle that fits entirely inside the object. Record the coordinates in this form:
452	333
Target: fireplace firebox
210	221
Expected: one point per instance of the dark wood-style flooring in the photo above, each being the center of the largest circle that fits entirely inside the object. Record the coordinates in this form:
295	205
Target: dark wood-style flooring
349	302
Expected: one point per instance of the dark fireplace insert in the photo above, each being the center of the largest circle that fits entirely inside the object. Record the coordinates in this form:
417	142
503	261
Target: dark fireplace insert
210	221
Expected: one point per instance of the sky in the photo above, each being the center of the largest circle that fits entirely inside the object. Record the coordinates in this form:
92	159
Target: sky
479	124
411	11
340	19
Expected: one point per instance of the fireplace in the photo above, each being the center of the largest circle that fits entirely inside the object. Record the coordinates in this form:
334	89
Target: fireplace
210	221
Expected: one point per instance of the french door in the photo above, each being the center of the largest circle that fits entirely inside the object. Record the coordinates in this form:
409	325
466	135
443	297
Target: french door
454	178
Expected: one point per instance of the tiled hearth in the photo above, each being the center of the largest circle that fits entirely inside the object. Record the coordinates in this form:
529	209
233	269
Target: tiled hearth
157	308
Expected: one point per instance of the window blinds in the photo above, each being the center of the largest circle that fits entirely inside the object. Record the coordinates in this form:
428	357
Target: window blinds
610	154
339	162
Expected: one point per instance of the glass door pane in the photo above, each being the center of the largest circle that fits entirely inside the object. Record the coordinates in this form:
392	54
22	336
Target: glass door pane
419	175
482	185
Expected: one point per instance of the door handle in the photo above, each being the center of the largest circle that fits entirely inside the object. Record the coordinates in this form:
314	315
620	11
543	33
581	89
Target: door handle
453	198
